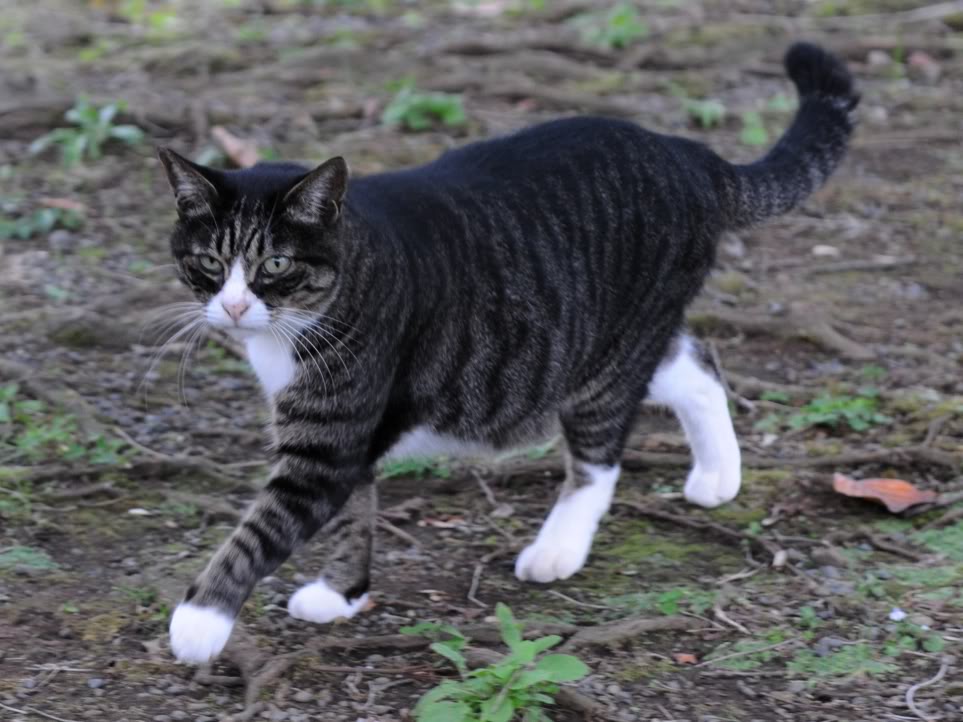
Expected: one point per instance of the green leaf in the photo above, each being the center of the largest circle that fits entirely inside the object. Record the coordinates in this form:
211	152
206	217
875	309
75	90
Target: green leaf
531	677
497	709
547	642
753	131
511	630
453	655
563	667
445	712
130	134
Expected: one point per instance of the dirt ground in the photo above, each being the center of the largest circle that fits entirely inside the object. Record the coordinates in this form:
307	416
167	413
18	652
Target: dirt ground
120	473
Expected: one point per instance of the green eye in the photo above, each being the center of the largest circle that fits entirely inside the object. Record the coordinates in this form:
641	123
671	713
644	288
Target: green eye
210	264
276	264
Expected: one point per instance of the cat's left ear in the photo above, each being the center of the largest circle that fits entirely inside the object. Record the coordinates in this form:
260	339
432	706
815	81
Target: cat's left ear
316	198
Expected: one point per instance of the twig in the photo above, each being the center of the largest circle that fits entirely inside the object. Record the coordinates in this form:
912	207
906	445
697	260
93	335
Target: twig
34	710
576	602
400	533
611	632
744	653
911	692
877	264
486	490
720	613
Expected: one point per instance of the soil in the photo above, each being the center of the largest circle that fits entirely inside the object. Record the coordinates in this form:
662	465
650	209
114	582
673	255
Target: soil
117	486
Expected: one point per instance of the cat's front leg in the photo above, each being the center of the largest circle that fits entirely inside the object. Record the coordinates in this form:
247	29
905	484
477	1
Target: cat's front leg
303	495
341	590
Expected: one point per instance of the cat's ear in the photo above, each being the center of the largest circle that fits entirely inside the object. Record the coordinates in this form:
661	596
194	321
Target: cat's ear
194	193
316	198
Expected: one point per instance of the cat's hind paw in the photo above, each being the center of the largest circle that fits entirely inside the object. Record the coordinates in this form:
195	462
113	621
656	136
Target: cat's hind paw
711	489
198	634
549	559
317	602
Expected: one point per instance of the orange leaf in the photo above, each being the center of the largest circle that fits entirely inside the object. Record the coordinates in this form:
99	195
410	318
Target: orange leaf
895	494
684	658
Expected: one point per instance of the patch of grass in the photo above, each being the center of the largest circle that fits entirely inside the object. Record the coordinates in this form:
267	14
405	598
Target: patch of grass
520	684
417	467
92	127
28	557
672	601
31	431
415	110
614	29
848	661
216	357
858	412
753	653
947	541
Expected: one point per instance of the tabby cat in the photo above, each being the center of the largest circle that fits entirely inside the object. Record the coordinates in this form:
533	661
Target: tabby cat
510	289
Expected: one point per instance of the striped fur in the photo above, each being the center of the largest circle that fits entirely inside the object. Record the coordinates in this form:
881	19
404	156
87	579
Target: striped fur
512	286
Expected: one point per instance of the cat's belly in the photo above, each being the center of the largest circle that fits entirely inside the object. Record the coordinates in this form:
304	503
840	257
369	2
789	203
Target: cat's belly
423	441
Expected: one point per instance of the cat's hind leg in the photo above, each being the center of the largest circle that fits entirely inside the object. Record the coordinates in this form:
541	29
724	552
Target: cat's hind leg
687	382
341	590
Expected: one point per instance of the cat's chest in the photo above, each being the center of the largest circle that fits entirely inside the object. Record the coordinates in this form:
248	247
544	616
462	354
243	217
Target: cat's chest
272	360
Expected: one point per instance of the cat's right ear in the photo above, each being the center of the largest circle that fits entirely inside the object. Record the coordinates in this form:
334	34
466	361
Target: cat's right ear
194	193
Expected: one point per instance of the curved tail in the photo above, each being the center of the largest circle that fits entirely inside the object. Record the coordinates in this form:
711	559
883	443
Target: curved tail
809	151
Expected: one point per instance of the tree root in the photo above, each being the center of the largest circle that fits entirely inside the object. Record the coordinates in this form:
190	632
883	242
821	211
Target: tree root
801	323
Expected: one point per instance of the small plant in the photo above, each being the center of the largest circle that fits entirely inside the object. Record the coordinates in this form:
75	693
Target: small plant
834	411
850	660
516	687
707	113
39	222
415	110
93	127
753	130
417	467
616	29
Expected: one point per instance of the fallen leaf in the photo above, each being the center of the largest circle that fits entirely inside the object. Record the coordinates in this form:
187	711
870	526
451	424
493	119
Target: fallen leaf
684	658
242	152
64	204
895	494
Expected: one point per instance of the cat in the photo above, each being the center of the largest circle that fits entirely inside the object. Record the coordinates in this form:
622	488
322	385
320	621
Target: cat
513	287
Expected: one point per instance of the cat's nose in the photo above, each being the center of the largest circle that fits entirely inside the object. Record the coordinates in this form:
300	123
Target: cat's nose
236	309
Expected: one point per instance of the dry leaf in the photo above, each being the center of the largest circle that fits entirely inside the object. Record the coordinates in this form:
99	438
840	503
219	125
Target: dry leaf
684	658
242	152
64	204
895	494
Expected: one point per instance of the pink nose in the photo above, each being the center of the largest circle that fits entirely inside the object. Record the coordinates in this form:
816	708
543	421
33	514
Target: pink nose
236	310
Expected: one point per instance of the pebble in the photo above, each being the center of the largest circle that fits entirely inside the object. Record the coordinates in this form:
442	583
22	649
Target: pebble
178	714
176	689
302	696
162	718
614	689
29	683
62	241
796	686
95	683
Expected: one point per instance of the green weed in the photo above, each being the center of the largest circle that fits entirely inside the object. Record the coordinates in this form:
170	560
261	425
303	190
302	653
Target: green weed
834	411
417	467
746	654
40	222
93	127
615	29
517	686
416	111
849	661
706	113
673	601
754	131
28	557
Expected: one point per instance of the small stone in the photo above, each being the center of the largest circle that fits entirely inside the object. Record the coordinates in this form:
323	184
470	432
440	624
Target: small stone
178	714
302	696
825	251
29	683
61	241
796	686
878	58
176	689
614	689
162	718
829	572
95	683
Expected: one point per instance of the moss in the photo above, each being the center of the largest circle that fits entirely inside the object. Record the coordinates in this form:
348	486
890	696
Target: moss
103	627
765	476
737	516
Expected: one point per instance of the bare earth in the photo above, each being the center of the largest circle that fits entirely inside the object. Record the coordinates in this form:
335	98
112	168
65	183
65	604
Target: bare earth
116	482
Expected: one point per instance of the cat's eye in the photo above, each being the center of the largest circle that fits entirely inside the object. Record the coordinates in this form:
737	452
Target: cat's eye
276	264
210	264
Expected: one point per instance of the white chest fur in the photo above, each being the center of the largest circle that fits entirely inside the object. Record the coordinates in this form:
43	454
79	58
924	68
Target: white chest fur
273	361
422	441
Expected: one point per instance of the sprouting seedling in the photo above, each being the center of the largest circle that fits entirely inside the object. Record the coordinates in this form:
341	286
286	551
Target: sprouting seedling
92	127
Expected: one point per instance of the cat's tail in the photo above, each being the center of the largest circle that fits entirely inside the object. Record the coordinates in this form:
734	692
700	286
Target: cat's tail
809	151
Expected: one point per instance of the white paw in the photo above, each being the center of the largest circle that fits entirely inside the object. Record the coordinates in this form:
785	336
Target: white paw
550	558
319	603
710	489
198	634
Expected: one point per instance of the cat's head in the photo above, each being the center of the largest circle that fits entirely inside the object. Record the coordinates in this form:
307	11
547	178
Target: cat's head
260	244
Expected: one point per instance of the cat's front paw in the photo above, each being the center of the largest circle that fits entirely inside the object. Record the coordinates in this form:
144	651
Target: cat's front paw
550	558
710	489
319	603
198	634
